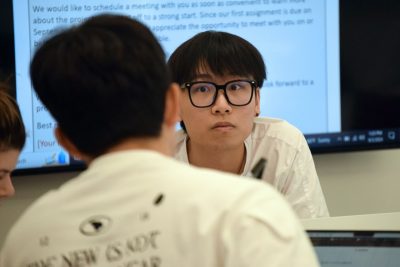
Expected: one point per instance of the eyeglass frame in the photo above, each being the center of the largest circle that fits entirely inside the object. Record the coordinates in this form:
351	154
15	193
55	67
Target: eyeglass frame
188	85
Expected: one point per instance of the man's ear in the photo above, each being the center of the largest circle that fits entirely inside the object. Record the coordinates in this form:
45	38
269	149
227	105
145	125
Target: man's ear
64	141
172	105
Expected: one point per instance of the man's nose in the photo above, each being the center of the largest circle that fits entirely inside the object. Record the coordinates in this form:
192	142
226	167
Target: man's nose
6	188
221	104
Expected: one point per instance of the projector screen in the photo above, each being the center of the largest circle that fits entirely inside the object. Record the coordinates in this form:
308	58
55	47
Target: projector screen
299	40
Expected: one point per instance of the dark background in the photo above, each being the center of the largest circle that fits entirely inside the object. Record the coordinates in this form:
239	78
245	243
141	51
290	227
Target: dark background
370	64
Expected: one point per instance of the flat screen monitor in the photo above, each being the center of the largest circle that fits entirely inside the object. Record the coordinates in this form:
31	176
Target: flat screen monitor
333	66
351	248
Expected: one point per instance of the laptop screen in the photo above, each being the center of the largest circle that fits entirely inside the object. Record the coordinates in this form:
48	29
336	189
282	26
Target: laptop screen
356	248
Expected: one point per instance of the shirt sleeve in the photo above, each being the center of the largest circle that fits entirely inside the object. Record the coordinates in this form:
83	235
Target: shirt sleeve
273	238
303	189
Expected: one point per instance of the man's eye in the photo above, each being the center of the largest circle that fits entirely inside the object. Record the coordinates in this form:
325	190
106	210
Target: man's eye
202	89
235	86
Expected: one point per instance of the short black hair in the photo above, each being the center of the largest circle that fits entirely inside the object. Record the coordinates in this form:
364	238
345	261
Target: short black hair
103	81
223	53
12	130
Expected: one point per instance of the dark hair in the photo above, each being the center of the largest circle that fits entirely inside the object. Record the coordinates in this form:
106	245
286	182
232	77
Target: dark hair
103	81
223	53
12	130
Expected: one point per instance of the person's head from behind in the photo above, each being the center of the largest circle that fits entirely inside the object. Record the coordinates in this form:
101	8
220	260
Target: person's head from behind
12	140
104	81
210	59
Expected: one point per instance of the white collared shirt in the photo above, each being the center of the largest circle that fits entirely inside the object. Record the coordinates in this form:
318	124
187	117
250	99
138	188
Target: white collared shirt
290	167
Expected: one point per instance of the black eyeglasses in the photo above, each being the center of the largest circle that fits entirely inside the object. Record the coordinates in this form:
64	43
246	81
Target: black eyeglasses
237	92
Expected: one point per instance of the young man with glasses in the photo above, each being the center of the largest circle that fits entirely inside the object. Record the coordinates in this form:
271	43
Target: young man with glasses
221	75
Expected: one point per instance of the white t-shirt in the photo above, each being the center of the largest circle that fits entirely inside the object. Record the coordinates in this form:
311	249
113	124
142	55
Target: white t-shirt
140	208
290	166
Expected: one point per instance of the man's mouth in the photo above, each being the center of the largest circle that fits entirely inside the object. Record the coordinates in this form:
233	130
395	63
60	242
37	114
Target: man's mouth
223	125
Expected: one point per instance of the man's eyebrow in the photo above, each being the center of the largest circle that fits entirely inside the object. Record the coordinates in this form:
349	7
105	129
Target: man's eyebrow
202	76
